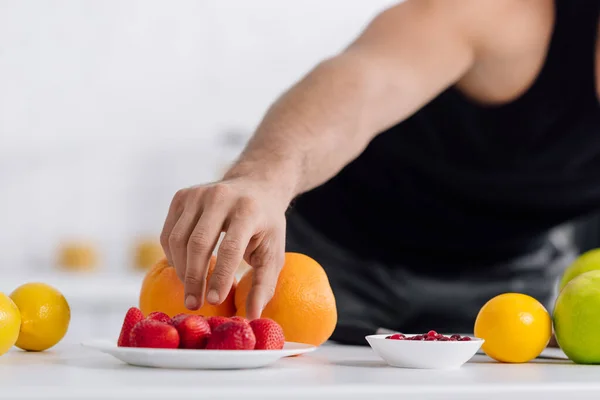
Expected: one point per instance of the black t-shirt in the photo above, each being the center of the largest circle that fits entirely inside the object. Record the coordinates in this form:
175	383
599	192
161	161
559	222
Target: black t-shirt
459	183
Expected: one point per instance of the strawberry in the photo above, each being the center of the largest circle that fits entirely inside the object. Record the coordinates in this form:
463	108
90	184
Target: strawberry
193	330
154	334
268	333
175	320
132	317
216	321
159	316
232	335
239	319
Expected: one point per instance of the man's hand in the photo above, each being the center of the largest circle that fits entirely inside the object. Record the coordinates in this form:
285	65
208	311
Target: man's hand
253	219
405	57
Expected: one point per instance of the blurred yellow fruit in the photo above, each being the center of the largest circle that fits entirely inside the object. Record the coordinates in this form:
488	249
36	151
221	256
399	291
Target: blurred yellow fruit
10	323
45	316
77	256
516	328
147	253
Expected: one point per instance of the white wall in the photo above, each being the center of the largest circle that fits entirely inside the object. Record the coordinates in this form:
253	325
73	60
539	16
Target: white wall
108	107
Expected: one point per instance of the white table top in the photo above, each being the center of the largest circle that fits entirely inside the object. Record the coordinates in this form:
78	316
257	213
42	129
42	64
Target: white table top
333	372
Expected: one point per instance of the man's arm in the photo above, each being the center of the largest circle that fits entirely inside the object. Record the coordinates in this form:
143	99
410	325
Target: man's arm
404	58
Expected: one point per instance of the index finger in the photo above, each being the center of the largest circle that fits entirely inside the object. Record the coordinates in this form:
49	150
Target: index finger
175	211
264	279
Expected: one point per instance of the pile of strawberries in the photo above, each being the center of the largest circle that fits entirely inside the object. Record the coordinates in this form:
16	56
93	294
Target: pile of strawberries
188	331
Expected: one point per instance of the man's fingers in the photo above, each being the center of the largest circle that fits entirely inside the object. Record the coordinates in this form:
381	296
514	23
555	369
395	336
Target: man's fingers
178	240
267	261
200	247
229	256
175	210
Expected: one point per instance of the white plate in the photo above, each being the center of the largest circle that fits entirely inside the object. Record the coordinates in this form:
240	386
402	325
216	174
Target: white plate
197	359
424	354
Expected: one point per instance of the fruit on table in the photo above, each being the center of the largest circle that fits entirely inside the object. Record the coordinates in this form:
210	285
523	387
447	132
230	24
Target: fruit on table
77	256
154	334
10	323
577	318
45	316
268	333
516	327
193	330
147	253
303	303
132	317
588	261
431	336
232	335
163	291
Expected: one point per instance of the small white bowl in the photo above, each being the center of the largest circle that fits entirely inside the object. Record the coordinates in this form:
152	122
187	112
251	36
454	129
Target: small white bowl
424	354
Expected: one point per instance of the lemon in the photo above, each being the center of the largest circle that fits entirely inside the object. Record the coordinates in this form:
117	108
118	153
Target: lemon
45	316
10	323
516	327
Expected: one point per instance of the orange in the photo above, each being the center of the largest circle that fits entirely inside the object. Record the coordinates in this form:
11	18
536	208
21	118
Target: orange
303	303
516	327
163	291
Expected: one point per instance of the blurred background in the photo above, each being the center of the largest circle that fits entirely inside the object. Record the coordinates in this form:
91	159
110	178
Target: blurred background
108	107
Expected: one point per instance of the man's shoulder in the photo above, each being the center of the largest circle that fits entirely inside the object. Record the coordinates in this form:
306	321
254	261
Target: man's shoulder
491	25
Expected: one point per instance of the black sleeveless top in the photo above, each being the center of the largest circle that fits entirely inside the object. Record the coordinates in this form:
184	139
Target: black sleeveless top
461	184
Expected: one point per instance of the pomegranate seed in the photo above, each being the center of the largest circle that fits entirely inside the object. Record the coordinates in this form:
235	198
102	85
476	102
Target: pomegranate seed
432	333
464	339
430	339
455	337
444	339
397	336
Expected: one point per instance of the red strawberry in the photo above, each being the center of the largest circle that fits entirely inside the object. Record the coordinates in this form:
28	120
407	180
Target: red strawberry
175	320
268	333
232	335
239	319
159	316
193	330
216	321
154	334
132	317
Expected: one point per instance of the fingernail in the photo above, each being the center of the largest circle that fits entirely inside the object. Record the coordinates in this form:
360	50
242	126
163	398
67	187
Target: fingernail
212	296
191	302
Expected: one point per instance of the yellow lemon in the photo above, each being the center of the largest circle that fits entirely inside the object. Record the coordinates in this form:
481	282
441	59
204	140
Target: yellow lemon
45	316
10	323
516	327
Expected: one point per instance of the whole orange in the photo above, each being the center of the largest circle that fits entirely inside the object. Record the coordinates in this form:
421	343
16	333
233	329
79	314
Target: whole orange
516	327
303	303
163	291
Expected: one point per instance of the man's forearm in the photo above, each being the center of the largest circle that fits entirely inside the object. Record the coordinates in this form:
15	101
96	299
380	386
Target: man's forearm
329	117
314	129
